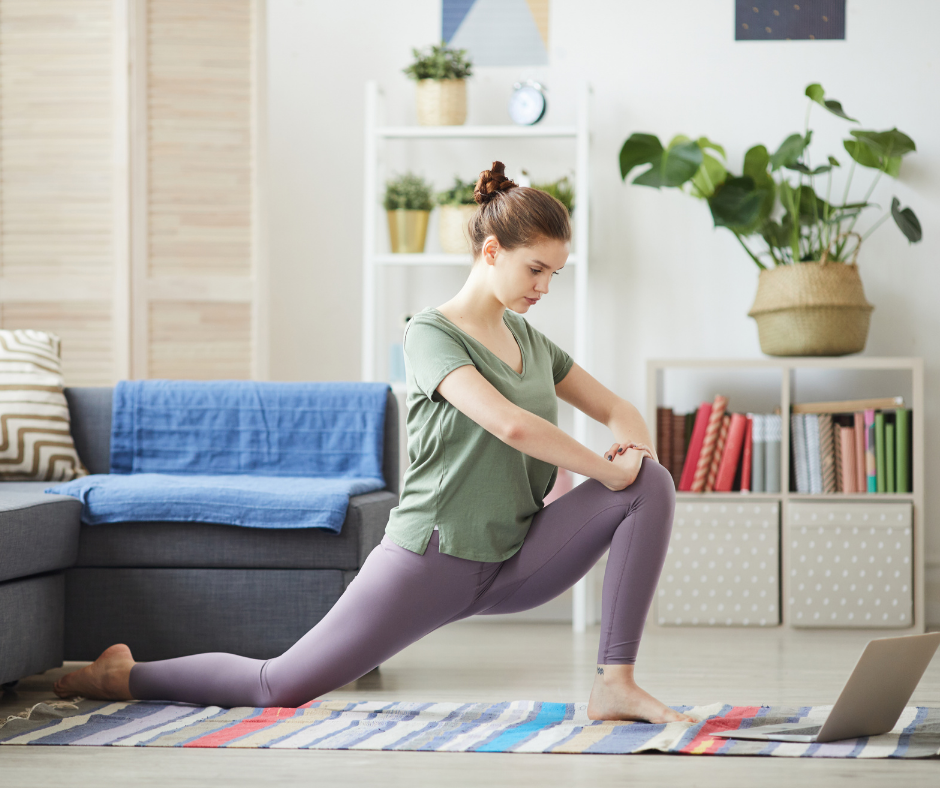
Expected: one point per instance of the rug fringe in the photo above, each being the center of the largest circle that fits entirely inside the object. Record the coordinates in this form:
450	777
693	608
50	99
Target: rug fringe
51	705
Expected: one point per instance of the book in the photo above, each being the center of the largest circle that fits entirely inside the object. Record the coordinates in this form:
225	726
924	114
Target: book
861	474
695	447
746	452
837	452
664	437
880	485
871	470
709	439
731	456
903	449
813	460
773	432
827	452
847	440
678	446
758	452
890	445
879	403
800	456
718	453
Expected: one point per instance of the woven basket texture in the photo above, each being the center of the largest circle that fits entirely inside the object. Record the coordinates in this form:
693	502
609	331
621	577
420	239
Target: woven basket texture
441	102
453	228
811	309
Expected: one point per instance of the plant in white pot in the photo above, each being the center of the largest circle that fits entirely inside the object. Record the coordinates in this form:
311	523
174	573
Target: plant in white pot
408	205
441	93
457	206
809	298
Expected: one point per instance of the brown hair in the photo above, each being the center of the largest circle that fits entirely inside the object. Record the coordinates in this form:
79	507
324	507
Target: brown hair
516	215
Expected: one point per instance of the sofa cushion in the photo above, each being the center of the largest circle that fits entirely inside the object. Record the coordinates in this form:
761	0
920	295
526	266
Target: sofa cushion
38	533
213	546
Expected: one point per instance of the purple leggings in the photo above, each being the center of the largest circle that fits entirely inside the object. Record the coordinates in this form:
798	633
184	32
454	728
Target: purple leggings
399	597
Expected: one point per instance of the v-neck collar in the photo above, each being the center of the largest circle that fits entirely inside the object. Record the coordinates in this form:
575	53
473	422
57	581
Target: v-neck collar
501	361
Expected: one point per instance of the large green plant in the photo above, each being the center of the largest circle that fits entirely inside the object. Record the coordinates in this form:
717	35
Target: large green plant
461	193
794	223
408	192
439	62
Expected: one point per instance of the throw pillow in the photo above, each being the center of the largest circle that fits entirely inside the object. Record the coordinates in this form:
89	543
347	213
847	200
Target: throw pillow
35	437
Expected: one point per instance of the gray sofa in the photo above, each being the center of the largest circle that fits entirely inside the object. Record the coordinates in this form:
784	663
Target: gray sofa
69	590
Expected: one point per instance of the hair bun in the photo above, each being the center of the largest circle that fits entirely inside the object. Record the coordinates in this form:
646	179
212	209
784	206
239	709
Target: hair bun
491	183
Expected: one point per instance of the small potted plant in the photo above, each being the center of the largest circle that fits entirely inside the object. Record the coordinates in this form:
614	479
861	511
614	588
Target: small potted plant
408	205
440	73
810	300
562	190
457	206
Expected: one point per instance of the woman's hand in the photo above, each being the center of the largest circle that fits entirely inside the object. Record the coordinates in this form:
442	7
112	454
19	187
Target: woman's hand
627	458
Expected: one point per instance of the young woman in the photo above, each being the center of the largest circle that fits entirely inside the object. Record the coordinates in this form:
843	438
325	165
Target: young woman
471	535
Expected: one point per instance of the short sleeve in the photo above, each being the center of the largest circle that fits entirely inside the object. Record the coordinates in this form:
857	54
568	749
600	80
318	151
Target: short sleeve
431	354
561	362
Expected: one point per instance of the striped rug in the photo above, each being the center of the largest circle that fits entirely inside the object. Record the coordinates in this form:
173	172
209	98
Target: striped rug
512	726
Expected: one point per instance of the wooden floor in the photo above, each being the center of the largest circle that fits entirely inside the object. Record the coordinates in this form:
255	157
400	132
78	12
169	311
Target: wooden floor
474	661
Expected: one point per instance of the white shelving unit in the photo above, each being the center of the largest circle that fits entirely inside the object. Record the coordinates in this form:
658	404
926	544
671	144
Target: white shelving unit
789	371
376	137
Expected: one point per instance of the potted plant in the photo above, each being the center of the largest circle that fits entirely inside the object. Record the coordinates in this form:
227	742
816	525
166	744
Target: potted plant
408	205
562	190
441	96
457	206
809	298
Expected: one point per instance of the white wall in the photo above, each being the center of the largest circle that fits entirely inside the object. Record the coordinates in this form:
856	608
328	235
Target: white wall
664	282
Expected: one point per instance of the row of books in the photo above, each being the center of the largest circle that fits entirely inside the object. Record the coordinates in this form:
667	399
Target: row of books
712	450
848	446
862	446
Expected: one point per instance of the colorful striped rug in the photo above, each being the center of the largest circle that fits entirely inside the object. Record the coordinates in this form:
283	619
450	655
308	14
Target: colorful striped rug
512	726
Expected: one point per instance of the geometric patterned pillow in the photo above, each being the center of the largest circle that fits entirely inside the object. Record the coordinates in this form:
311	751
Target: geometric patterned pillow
35	439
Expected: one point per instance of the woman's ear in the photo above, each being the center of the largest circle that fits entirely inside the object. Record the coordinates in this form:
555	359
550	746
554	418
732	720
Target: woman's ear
490	250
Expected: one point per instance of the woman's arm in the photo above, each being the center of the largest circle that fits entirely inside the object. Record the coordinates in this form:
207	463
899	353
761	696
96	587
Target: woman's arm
474	396
587	394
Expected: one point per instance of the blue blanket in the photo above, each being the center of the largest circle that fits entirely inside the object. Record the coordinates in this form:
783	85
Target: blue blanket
278	455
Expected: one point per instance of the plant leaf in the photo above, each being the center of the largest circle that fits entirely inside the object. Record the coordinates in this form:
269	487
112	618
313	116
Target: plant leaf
800	167
736	203
815	92
675	167
886	143
706	144
637	150
834	161
892	165
789	151
862	153
708	177
836	109
756	161
907	221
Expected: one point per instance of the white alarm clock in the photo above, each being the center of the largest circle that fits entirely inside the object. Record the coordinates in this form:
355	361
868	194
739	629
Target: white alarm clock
527	103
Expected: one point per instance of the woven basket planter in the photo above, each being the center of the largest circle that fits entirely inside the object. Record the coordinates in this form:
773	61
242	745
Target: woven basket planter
811	309
407	231
453	228
441	102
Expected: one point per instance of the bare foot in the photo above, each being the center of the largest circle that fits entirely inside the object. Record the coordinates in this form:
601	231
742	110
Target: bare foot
107	678
616	696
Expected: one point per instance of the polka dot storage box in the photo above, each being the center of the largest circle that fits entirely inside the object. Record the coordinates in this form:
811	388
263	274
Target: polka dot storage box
849	565
722	566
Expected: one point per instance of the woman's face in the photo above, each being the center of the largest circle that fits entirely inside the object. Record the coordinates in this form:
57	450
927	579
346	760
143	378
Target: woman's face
521	276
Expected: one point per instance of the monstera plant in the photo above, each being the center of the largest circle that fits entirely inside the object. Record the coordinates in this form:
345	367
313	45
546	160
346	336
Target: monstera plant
775	199
781	209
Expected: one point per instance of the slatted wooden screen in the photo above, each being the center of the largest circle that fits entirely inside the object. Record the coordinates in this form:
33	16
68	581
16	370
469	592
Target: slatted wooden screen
196	280
57	245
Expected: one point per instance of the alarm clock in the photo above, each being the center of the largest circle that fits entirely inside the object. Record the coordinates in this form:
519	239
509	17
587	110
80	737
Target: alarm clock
527	103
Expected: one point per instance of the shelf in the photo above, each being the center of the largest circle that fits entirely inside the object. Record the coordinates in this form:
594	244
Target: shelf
753	496
452	132
789	362
425	258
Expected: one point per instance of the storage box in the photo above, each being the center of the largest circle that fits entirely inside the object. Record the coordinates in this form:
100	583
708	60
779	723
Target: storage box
849	564
722	566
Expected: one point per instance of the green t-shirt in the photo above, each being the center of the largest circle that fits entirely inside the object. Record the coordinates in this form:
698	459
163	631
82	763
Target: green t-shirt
480	492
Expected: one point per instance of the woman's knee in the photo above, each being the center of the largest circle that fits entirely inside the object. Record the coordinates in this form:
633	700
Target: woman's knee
658	479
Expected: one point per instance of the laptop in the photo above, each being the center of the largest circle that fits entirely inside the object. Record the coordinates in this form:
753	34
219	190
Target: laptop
871	701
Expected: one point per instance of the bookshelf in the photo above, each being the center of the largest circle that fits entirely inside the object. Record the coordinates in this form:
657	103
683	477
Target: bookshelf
789	375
